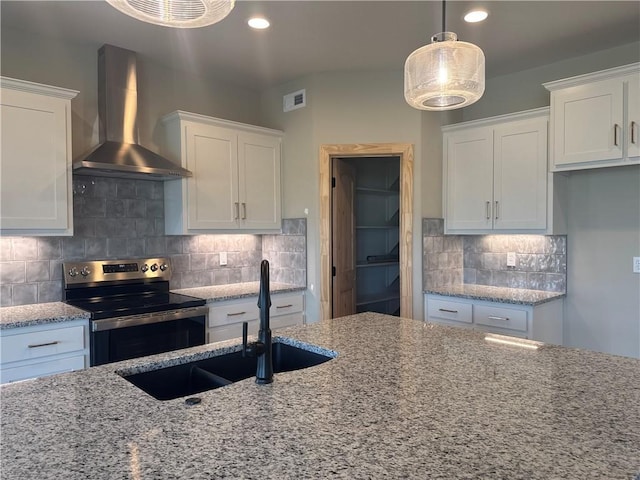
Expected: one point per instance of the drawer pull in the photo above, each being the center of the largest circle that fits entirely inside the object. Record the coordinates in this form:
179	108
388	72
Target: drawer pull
493	317
615	134
633	132
284	306
496	209
235	314
236	215
487	206
48	344
447	310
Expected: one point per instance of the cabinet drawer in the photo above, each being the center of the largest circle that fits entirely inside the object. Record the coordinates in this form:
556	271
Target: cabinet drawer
226	314
500	317
25	346
284	305
448	310
42	369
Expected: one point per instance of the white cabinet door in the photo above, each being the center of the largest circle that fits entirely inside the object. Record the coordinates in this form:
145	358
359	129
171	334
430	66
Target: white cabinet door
236	176
259	181
469	179
496	175
35	167
588	122
212	192
633	122
520	175
594	119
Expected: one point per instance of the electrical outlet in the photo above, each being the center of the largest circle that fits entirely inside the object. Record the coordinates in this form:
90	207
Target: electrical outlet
636	264
223	259
511	259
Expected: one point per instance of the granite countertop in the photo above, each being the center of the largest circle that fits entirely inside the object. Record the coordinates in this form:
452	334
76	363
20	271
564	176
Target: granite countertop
55	312
38	314
517	296
403	399
218	293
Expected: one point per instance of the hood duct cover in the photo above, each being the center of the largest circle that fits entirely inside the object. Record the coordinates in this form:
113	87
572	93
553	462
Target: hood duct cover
119	154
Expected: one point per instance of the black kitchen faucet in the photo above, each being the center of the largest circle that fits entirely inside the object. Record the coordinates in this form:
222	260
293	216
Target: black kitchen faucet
262	348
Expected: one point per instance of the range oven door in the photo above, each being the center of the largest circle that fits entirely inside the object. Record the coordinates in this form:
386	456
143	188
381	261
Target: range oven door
123	338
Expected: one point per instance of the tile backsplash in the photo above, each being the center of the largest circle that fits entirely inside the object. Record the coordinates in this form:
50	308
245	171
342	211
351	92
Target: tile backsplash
120	218
541	260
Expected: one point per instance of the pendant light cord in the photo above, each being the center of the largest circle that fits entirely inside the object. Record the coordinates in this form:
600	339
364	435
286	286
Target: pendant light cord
444	9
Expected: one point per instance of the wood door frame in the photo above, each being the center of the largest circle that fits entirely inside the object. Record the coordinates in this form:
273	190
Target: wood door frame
405	152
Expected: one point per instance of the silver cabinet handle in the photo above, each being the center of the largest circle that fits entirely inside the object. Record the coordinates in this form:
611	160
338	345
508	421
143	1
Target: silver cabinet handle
496	209
493	317
237	210
633	132
284	306
487	206
48	344
447	310
244	211
235	314
615	134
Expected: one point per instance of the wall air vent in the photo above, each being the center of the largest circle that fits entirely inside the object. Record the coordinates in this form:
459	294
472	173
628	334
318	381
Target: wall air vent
295	100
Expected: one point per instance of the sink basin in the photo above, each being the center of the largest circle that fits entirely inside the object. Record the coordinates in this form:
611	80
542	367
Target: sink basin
215	372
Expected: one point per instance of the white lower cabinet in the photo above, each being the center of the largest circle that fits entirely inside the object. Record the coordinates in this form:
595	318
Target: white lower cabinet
226	317
541	322
42	350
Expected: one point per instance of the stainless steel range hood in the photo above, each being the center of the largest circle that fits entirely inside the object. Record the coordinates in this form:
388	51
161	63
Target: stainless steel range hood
119	154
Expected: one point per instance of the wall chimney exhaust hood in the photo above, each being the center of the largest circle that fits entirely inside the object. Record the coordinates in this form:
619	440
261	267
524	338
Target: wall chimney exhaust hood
119	154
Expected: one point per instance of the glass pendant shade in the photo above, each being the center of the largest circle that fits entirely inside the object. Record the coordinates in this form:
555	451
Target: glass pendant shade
444	75
176	13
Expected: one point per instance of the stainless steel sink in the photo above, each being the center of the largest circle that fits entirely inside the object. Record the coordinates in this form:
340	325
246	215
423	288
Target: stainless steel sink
215	372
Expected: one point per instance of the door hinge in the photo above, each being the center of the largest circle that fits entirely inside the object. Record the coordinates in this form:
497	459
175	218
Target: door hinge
333	182
333	271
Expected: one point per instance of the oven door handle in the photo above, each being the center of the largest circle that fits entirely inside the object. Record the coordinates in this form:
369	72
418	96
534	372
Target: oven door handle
147	318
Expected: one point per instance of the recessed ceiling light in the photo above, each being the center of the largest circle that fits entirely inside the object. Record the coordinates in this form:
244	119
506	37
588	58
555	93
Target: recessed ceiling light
259	23
475	16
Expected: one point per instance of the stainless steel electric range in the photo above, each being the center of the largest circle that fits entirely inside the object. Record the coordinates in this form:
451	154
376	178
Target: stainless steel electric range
133	313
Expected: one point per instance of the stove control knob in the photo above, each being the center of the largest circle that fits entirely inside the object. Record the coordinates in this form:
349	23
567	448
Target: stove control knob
154	267
73	272
164	266
85	271
144	268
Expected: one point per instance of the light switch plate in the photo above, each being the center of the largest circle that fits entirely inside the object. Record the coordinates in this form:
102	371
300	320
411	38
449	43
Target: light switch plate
223	259
511	259
636	264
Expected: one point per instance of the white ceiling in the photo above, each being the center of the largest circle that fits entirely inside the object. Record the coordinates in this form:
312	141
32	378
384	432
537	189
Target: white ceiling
317	36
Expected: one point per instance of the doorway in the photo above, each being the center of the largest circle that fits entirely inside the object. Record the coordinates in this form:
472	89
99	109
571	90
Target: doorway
373	210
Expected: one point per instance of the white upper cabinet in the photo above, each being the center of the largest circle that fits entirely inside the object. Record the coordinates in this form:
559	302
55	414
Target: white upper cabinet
496	178
35	159
595	119
236	176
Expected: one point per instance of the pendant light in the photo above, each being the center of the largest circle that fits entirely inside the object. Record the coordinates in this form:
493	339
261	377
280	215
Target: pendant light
444	75
176	13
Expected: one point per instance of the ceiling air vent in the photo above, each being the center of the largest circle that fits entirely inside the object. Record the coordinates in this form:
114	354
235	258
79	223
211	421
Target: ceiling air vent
294	100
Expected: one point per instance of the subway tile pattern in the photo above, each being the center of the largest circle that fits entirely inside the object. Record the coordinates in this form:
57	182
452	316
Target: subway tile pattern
122	218
541	261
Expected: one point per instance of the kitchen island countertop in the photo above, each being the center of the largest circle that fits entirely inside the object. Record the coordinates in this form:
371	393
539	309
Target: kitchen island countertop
403	399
